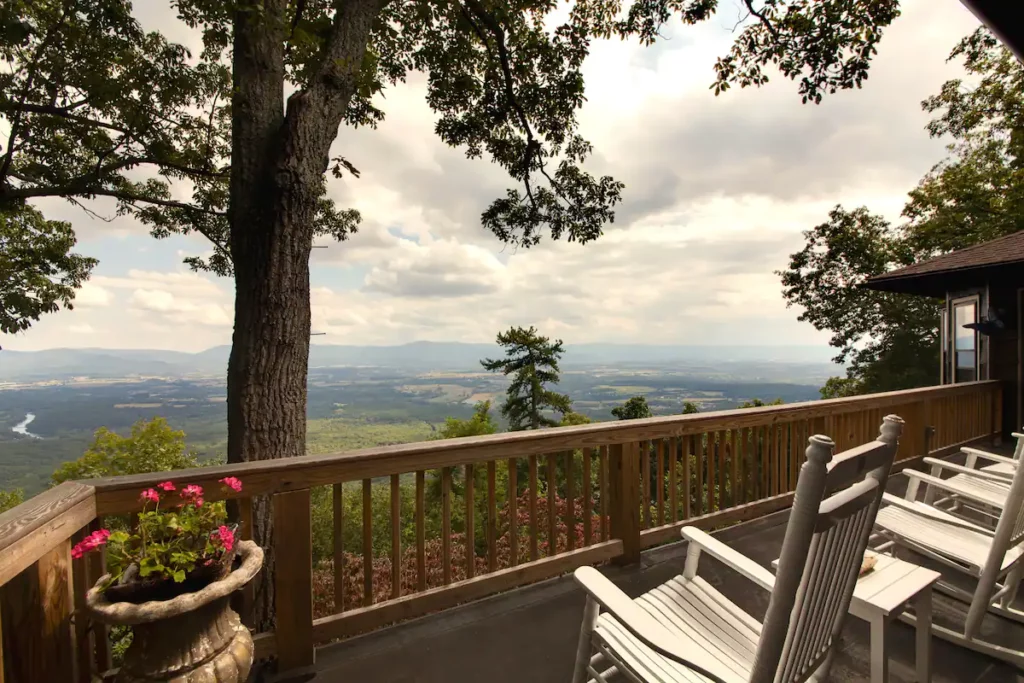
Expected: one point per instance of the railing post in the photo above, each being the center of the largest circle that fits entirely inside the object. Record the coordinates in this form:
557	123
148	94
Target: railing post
997	415
624	499
36	608
293	580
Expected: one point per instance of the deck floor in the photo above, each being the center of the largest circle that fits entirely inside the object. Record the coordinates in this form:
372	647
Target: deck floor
530	634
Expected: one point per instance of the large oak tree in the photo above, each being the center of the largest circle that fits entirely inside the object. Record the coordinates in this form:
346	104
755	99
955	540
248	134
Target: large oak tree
234	143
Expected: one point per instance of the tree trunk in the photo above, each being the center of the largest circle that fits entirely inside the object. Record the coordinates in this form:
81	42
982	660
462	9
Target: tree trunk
278	161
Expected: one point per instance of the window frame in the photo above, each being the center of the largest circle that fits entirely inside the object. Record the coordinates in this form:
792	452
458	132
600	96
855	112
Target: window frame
951	336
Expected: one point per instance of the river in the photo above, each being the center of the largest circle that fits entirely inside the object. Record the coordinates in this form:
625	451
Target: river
22	427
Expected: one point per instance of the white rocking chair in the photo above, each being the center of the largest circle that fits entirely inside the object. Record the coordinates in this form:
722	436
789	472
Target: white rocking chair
993	556
685	630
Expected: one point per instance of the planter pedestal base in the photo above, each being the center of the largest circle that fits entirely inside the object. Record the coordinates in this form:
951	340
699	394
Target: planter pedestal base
208	645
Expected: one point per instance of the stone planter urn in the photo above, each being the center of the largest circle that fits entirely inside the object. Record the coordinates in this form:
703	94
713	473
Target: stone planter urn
192	638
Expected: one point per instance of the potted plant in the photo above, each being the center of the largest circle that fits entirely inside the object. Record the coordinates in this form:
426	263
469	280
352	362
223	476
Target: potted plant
170	578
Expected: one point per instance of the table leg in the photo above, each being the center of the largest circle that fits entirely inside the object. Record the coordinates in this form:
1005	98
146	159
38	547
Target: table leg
923	615
879	652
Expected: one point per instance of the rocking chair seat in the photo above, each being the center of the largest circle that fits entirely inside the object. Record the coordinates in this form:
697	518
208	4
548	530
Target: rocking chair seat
956	542
1004	468
698	616
990	492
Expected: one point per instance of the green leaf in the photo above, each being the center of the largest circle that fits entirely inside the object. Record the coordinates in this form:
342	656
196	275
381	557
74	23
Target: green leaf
179	576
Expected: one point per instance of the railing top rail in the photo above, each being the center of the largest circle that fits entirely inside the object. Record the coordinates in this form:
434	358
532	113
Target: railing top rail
33	528
120	494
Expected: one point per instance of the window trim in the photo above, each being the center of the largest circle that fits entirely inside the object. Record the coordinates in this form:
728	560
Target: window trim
951	332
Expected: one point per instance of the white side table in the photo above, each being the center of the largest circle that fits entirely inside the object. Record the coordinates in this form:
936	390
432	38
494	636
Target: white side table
881	595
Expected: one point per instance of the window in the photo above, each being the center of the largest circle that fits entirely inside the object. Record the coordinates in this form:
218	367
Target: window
944	377
965	341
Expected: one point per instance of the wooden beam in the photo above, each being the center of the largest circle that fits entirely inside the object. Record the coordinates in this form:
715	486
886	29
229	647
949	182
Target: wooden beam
36	607
293	580
38	525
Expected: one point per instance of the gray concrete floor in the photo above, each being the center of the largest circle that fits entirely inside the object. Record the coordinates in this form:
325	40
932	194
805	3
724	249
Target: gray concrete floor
530	634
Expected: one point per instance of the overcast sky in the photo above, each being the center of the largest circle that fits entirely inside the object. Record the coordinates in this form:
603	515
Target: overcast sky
718	190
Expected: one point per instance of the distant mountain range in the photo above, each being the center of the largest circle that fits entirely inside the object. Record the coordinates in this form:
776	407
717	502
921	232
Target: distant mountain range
420	356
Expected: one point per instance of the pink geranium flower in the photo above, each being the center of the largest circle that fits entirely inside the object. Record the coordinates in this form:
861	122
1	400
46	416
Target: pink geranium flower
225	536
193	494
89	543
150	495
233	483
166	486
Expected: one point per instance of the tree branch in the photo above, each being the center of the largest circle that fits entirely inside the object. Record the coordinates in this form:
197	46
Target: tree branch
68	191
62	112
763	19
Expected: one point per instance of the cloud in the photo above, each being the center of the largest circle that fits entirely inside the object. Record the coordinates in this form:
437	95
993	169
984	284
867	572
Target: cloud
81	329
92	295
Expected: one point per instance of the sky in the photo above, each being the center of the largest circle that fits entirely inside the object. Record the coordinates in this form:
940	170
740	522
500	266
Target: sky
718	191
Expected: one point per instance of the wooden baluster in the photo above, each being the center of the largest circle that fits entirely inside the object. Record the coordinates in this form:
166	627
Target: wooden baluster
97	562
338	551
37	605
293	580
734	466
588	497
742	452
2	679
446	524
470	522
83	634
624	494
602	474
712	467
673	484
396	537
570	504
773	456
367	542
513	513
534	532
421	531
720	469
697	441
552	509
661	481
492	517
645	483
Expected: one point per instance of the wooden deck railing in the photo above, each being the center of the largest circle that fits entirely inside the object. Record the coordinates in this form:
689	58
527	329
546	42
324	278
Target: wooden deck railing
463	518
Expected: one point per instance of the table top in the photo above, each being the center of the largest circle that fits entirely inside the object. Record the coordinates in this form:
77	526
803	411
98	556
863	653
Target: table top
887	587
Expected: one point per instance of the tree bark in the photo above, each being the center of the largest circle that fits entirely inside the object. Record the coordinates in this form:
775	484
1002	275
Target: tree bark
278	163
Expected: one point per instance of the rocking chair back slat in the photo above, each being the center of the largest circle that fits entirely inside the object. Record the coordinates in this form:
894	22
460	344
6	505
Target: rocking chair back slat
822	553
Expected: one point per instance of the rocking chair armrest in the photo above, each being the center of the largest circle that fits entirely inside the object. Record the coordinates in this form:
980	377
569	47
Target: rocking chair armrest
992	457
970	472
948	486
645	627
928	512
730	557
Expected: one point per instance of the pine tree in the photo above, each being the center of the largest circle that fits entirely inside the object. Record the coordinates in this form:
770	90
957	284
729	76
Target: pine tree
532	360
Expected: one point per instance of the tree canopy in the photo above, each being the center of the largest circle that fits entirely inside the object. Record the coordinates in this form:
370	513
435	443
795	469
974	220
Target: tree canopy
38	271
481	423
532	361
633	409
152	446
891	341
690	408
